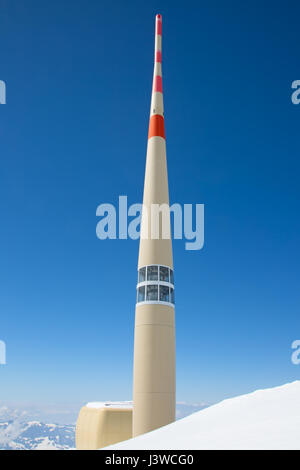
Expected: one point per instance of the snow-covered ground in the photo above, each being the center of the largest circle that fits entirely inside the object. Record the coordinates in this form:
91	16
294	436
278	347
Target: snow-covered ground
265	419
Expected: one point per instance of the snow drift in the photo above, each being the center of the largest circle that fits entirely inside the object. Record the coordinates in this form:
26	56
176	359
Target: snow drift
265	419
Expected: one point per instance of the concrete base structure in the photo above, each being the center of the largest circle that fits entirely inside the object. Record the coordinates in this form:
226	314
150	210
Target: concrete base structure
102	424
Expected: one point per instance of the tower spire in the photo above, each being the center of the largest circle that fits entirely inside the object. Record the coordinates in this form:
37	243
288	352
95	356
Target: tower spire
154	342
157	126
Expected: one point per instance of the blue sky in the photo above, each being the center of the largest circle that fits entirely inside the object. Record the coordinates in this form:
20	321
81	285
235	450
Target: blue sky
73	135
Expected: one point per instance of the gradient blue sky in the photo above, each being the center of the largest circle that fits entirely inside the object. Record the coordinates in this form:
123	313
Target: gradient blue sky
73	135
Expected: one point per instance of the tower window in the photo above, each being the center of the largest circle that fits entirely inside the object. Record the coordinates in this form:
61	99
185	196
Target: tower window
152	292
141	294
152	273
171	276
142	275
164	293
172	296
163	274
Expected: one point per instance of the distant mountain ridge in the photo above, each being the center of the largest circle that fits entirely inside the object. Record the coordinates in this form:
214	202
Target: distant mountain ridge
33	435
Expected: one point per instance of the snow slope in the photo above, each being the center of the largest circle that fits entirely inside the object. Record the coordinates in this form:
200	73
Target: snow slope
265	419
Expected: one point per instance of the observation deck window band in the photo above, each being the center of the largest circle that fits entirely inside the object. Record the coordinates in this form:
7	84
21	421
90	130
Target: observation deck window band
155	285
155	293
143	272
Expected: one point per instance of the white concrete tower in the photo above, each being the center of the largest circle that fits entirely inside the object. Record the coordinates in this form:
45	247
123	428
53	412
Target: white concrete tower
154	340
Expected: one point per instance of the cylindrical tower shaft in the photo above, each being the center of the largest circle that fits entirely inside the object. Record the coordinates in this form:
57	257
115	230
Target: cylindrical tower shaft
154	342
